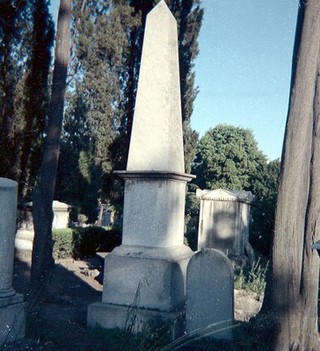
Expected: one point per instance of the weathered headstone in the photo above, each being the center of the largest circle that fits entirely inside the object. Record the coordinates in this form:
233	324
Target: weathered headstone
145	277
60	215
224	222
210	294
12	307
25	233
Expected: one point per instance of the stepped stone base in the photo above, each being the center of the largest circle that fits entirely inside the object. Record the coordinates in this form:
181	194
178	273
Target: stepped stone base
15	322
134	319
143	287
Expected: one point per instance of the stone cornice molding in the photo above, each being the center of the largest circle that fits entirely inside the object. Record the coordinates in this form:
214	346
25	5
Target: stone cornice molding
155	175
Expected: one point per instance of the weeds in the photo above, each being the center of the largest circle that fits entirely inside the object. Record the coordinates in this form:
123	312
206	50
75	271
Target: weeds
253	278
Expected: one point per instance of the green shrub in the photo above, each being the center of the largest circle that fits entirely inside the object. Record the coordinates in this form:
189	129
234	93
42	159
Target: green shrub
84	242
62	247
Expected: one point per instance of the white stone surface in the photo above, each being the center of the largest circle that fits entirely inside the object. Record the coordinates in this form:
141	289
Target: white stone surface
8	215
60	215
210	294
147	273
146	277
12	309
156	140
25	233
153	213
224	220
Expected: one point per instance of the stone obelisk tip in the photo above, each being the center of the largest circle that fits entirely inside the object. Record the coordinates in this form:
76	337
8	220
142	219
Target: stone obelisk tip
156	140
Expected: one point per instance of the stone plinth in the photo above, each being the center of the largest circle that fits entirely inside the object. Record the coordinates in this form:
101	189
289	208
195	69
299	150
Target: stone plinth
12	313
154	204
224	222
144	283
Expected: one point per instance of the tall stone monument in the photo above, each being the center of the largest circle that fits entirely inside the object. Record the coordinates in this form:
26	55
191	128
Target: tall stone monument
145	277
12	307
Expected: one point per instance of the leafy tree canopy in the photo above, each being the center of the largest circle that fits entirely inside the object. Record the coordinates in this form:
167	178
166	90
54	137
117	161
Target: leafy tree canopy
228	157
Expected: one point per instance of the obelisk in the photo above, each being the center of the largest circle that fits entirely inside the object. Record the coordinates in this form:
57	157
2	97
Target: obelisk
146	275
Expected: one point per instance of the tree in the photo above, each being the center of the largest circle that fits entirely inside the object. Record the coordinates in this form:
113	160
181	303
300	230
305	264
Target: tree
43	197
293	289
35	99
24	69
13	48
96	104
263	211
228	157
106	82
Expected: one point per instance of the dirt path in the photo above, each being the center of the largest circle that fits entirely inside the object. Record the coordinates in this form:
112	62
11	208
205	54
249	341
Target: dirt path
59	322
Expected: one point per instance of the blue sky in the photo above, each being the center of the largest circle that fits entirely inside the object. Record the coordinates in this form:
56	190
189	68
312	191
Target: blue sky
244	67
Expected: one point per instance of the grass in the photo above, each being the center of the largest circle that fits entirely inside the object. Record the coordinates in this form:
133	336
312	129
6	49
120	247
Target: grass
252	278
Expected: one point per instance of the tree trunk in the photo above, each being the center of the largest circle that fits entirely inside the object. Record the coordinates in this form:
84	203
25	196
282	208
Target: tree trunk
294	287
42	260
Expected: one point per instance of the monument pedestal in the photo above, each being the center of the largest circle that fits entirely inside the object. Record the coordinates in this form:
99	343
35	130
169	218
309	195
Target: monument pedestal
143	285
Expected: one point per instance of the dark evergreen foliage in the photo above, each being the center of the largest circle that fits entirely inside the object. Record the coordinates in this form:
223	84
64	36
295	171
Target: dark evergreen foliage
15	21
108	40
26	38
228	157
36	96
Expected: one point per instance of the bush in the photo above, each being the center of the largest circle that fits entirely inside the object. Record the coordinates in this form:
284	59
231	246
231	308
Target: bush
62	246
84	242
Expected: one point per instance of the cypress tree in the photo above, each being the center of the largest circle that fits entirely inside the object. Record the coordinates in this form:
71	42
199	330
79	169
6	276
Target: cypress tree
35	96
14	23
108	40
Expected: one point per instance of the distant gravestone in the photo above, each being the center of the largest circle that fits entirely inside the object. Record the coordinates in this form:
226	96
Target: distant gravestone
25	233
60	215
224	222
210	294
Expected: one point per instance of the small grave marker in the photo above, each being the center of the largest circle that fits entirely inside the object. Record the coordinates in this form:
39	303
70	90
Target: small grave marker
210	294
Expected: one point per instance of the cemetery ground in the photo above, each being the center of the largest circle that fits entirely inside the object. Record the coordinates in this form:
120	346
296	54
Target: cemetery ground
57	320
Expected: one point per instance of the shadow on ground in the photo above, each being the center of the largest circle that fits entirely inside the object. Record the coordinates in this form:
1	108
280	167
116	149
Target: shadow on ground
58	320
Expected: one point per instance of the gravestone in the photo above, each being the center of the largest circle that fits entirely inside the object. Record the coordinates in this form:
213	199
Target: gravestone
224	223
145	277
25	233
60	215
12	307
210	295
